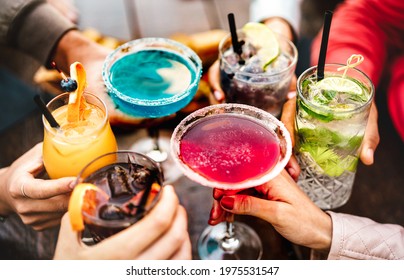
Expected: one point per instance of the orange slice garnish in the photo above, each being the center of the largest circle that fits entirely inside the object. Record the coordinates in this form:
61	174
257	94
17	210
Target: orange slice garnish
155	189
76	99
83	197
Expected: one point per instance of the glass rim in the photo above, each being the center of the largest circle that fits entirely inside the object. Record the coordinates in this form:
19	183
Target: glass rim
264	74
53	131
324	109
191	55
126	222
191	119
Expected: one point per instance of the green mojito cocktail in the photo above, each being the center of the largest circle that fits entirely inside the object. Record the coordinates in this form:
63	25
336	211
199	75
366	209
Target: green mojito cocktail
331	117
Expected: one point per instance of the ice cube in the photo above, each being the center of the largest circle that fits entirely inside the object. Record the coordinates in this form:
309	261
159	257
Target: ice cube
118	181
111	212
140	177
253	66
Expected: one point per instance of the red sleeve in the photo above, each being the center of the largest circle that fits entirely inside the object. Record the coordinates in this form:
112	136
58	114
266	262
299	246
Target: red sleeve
371	28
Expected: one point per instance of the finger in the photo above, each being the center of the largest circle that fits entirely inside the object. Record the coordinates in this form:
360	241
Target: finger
49	223
169	243
293	168
218	193
185	252
371	139
45	189
69	242
247	205
288	117
39	220
34	211
154	224
217	214
214	81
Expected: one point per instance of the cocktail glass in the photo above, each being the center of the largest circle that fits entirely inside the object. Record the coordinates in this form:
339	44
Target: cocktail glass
152	78
230	147
132	181
246	82
66	150
331	117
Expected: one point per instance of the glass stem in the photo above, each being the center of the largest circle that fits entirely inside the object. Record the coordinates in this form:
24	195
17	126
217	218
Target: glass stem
229	242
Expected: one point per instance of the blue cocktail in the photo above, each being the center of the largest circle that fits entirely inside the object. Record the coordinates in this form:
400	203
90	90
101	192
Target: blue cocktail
152	77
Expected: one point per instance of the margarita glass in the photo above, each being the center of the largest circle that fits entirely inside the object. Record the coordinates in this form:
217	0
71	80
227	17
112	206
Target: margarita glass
152	78
132	182
230	147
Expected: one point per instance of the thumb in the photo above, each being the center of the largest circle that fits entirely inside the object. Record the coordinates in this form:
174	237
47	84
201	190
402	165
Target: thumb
371	139
69	241
214	81
248	205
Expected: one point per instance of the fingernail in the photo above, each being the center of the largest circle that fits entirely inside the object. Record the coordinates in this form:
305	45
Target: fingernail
291	171
370	154
291	94
227	202
219	96
72	184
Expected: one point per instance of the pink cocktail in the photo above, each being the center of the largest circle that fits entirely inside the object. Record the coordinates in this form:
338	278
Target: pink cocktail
231	147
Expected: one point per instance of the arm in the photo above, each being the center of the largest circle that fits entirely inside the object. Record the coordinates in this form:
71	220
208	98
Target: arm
361	238
282	203
281	15
24	23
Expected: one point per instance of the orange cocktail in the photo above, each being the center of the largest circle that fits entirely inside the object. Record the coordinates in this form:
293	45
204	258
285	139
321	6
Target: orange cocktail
66	150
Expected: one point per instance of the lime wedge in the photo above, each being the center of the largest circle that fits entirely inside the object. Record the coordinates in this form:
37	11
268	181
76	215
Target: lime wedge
339	84
264	40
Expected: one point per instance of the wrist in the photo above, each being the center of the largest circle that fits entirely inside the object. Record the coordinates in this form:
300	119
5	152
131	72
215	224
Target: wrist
74	46
323	233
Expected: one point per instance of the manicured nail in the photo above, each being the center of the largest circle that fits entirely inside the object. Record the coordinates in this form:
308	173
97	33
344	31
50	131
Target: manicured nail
227	202
291	171
219	96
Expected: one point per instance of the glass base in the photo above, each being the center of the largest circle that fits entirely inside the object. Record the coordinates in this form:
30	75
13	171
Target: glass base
213	243
145	146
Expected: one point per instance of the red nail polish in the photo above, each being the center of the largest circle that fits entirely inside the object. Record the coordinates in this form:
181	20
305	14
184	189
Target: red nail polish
227	202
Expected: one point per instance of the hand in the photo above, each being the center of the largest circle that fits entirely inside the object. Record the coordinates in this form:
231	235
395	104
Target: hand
75	47
44	202
161	234
283	204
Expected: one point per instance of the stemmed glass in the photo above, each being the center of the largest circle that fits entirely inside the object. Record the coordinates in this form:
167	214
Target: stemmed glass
230	147
152	79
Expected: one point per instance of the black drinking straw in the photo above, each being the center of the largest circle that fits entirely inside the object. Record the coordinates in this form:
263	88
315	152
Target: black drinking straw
45	111
233	32
323	47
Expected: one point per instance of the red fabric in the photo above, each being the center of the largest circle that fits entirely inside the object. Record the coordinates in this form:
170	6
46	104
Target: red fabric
374	29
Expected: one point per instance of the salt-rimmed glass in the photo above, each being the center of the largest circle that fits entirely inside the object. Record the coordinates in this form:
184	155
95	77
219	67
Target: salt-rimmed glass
232	240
